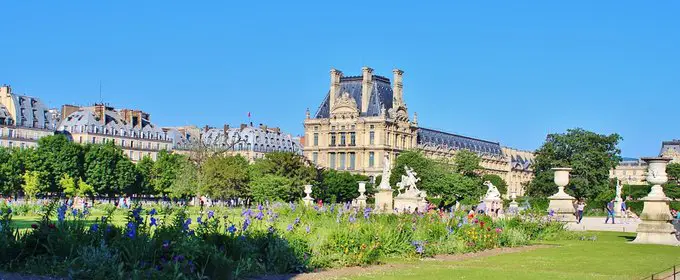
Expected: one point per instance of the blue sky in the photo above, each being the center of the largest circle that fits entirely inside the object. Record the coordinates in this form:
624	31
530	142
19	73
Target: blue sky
506	71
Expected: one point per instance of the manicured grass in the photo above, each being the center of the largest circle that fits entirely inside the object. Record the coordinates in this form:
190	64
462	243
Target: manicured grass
609	257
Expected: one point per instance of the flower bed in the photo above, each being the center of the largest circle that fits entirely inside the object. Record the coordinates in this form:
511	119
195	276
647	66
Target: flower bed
235	243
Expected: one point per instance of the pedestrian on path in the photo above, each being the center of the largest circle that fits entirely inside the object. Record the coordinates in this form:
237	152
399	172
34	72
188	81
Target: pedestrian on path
610	211
624	212
579	210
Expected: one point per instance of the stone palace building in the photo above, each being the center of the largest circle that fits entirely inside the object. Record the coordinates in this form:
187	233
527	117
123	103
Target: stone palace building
24	119
363	118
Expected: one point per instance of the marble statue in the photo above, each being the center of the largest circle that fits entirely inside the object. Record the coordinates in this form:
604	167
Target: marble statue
410	198
618	189
385	182
492	192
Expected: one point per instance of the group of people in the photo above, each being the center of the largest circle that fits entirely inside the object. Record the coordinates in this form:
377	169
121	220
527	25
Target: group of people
626	213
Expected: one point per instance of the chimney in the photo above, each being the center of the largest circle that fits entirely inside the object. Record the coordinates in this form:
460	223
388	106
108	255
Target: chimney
398	88
335	88
67	110
6	90
100	112
243	126
366	87
206	128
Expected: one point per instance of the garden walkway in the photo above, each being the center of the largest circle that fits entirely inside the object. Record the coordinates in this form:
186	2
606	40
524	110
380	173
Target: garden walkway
597	224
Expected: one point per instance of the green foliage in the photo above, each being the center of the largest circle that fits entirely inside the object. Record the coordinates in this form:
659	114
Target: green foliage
12	168
68	185
590	155
270	187
186	184
225	176
32	183
146	175
496	181
673	171
466	163
55	156
340	186
437	178
100	167
165	171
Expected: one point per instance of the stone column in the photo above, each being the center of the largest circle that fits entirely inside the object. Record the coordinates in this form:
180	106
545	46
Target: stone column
562	203
656	227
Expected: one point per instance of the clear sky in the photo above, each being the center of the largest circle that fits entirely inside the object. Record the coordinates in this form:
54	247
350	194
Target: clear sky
506	71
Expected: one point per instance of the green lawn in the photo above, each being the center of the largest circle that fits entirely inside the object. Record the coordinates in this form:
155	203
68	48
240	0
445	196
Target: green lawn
610	257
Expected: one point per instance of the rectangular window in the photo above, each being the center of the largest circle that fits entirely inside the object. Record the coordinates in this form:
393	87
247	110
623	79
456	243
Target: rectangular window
332	140
342	160
316	139
331	160
352	139
371	159
342	139
315	157
352	157
387	139
80	139
371	138
94	140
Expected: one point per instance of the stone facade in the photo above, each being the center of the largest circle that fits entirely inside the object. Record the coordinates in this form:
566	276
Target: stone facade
671	149
23	119
363	118
131	130
630	171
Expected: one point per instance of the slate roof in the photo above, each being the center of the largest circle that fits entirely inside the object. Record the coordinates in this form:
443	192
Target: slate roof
252	139
673	146
433	137
85	120
517	162
381	95
30	112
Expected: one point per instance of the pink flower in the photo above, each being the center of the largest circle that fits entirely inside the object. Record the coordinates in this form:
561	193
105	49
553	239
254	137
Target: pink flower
499	230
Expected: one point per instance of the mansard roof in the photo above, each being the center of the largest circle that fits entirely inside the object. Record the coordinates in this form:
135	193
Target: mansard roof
381	95
433	137
670	146
85	119
29	112
519	163
251	138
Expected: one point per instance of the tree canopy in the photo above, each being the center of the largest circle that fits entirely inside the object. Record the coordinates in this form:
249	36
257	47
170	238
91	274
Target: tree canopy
589	154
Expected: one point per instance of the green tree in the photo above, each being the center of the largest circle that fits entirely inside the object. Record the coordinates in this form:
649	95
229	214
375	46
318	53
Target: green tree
12	168
185	185
270	187
146	176
31	184
466	163
339	186
165	171
54	156
101	162
225	176
127	177
84	189
443	185
673	171
591	156
496	181
68	185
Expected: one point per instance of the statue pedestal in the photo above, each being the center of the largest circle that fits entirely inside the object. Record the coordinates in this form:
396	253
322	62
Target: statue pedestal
493	203
308	201
514	208
361	202
656	227
617	207
563	205
383	200
405	204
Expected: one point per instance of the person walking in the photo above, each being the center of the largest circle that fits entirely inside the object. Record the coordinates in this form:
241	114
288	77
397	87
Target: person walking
624	212
579	210
610	212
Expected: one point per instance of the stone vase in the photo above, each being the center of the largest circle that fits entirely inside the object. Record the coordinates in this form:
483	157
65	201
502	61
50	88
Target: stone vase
308	200
656	227
361	200
562	203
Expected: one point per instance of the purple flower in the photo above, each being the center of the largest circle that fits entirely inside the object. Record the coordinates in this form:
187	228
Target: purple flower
166	244
271	229
297	220
367	213
131	230
259	215
74	212
199	219
308	229
246	223
290	227
352	219
211	214
292	206
246	213
178	258
231	229
259	207
187	223
152	212
419	247
153	221
94	228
